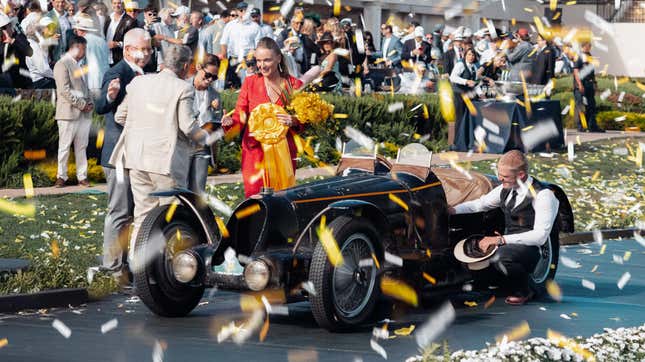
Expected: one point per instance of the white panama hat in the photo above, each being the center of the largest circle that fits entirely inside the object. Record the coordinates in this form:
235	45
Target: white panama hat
467	251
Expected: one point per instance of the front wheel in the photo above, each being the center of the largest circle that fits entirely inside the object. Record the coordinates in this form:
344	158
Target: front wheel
347	294
157	242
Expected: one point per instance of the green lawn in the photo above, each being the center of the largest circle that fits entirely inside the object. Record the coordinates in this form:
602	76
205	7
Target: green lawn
74	222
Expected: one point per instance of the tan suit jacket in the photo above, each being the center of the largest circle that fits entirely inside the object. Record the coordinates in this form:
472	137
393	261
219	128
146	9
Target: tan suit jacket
72	93
159	125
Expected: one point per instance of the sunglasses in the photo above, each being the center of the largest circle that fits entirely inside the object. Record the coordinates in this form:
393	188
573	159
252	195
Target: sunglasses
209	76
233	15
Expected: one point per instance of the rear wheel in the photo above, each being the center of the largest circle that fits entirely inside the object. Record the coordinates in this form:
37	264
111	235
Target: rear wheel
346	295
157	242
547	264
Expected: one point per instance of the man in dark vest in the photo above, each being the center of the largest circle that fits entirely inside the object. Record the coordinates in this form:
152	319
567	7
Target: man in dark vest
528	219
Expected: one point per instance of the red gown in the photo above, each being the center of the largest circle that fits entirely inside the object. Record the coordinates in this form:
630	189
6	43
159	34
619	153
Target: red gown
252	94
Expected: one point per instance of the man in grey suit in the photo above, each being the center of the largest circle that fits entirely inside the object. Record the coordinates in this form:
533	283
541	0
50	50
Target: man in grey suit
73	111
120	210
63	28
390	47
159	132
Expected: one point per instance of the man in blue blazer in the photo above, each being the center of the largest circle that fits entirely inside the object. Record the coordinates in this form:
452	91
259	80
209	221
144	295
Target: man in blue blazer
136	54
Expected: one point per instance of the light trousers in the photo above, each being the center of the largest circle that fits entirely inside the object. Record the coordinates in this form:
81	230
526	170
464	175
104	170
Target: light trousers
118	217
78	133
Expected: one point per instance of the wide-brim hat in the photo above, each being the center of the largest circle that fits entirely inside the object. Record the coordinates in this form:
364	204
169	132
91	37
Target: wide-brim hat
84	23
4	20
467	251
180	10
326	37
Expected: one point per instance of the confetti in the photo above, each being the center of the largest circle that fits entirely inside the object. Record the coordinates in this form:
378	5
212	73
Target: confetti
33	155
3	342
539	133
341	52
378	348
520	331
399	290
109	325
569	263
329	243
359	137
489	302
358	88
337	5
623	280
309	287
341	116
554	290
222	227
564	316
639	238
570	152
405	331
435	325
627	256
395	107
218	205
446	101
599	22
398	201
429	278
29	185
563	341
62	328
99	138
602	249
247	211
393	259
14	208
469	104
171	211
588	284
595	267
157	352
617	259
470	304
453	11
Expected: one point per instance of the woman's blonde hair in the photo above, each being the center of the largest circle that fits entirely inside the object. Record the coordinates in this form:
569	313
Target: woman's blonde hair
307	27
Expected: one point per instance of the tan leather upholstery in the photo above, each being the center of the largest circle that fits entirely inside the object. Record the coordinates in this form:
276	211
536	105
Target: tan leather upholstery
459	188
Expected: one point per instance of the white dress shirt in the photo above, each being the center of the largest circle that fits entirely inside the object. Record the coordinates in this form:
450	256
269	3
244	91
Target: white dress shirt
386	45
545	205
64	25
114	22
37	63
455	76
241	37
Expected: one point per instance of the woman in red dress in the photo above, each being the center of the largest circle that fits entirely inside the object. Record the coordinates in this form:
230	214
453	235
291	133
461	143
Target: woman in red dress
268	85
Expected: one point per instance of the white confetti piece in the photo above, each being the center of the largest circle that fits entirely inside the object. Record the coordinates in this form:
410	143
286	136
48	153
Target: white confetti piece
378	348
621	96
570	35
565	110
542	309
617	259
605	94
467	287
623	280
359	137
221	6
360	42
639	238
341	52
597	236
453	11
218	205
395	107
540	133
63	329
285	9
564	316
157	352
435	325
109	325
380	333
588	284
491	126
569	263
570	152
393	259
620	119
266	303
599	22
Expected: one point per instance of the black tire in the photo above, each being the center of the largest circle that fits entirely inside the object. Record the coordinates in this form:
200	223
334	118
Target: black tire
540	277
156	243
332	310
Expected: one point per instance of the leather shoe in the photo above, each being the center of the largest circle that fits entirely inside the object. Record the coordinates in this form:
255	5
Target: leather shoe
59	183
84	183
518	299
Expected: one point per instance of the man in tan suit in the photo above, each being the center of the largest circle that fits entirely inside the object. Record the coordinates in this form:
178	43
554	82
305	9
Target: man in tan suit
73	111
159	128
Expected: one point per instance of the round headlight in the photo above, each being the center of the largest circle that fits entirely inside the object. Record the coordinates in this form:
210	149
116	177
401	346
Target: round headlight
256	275
184	266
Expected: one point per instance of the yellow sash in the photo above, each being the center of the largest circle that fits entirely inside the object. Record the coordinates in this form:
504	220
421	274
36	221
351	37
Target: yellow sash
266	128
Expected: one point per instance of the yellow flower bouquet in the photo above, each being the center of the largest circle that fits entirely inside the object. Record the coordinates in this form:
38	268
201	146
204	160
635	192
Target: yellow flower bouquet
310	108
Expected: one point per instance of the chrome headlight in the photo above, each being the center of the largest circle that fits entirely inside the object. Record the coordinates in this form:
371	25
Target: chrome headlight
257	275
184	266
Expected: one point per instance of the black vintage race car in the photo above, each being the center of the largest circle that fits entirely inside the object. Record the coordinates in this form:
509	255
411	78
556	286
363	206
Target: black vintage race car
373	209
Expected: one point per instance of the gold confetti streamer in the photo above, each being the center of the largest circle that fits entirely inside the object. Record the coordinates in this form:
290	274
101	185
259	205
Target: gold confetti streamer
446	101
171	211
34	155
399	290
337	7
405	331
358	88
489	302
222	227
429	278
375	259
470	304
29	185
603	248
563	341
3	342
247	211
398	201
628	254
55	249
426	113
519	332
341	116
223	67
14	208
527	99
553	4
329	243
595	267
264	330
81	72
469	104
554	290
595	176
99	138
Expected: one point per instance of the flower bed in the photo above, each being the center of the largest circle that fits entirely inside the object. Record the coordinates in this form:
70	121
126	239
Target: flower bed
622	344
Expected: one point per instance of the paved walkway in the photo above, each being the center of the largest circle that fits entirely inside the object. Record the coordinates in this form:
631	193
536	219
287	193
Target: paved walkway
437	159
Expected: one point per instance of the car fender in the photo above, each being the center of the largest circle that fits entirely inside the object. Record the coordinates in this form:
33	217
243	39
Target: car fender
343	208
198	206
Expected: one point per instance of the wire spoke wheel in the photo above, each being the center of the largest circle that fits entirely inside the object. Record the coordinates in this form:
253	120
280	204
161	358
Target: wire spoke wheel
352	284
